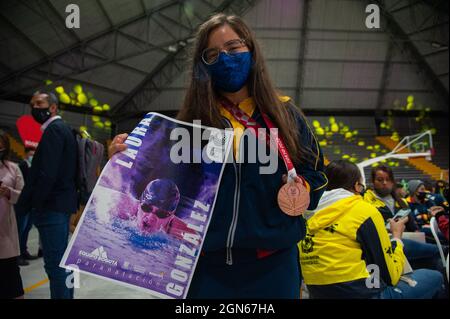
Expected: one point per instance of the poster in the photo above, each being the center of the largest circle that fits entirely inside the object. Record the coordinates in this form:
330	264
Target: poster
146	220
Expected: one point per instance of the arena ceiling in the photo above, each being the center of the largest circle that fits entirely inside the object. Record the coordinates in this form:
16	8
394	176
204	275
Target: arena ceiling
132	54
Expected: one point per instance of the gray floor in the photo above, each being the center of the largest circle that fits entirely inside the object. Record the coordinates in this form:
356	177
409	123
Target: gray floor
34	277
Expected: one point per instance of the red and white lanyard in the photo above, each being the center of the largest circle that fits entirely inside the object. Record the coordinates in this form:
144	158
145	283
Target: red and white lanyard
249	122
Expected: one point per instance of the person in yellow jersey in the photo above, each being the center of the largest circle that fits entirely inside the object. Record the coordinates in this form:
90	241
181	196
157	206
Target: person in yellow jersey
347	252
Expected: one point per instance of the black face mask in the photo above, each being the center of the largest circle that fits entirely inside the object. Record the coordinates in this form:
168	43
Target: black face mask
421	195
41	115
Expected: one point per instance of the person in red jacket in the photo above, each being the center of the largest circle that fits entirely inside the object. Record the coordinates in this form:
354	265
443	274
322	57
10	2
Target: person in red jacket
442	219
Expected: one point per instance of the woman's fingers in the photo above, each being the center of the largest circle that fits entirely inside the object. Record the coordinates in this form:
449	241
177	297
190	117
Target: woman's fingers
119	139
297	179
117	144
119	148
116	148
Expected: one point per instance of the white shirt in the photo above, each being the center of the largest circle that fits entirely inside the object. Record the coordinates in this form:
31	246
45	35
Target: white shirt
47	123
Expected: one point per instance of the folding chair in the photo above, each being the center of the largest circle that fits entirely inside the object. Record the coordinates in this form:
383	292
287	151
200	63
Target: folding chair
435	231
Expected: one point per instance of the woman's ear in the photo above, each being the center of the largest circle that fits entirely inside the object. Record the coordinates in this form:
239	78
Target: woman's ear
355	188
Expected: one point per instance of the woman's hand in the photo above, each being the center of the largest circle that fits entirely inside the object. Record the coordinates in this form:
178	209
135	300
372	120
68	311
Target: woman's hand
297	179
397	227
117	144
436	209
5	192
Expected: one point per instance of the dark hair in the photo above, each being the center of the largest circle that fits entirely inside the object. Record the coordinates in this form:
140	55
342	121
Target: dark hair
398	199
441	186
428	185
385	169
200	101
445	193
4	138
390	173
399	185
29	149
342	174
51	97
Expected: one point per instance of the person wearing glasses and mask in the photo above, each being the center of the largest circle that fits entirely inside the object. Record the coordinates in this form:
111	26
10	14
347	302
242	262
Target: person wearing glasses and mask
250	249
347	237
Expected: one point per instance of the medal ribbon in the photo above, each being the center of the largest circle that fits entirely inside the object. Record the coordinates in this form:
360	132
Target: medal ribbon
249	122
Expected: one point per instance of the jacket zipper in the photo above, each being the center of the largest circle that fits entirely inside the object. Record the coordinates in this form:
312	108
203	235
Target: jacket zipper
232	229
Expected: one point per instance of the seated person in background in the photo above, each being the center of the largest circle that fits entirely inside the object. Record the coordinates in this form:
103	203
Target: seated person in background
400	191
441	187
442	219
388	202
423	207
346	235
385	198
436	195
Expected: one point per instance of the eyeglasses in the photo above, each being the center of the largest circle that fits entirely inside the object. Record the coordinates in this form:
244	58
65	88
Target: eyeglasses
159	212
211	55
147	208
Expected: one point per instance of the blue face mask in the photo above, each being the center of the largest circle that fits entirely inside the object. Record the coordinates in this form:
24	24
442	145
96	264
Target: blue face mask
230	72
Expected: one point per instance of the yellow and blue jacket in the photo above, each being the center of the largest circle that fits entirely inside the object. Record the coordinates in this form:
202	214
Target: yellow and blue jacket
344	236
371	197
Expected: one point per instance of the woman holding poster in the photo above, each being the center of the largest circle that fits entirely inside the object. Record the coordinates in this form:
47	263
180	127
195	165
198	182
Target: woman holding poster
250	250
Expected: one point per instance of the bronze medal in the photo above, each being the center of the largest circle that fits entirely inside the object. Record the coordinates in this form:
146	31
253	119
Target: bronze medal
293	198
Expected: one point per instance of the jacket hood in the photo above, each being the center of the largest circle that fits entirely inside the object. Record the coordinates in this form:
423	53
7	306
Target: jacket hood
332	205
